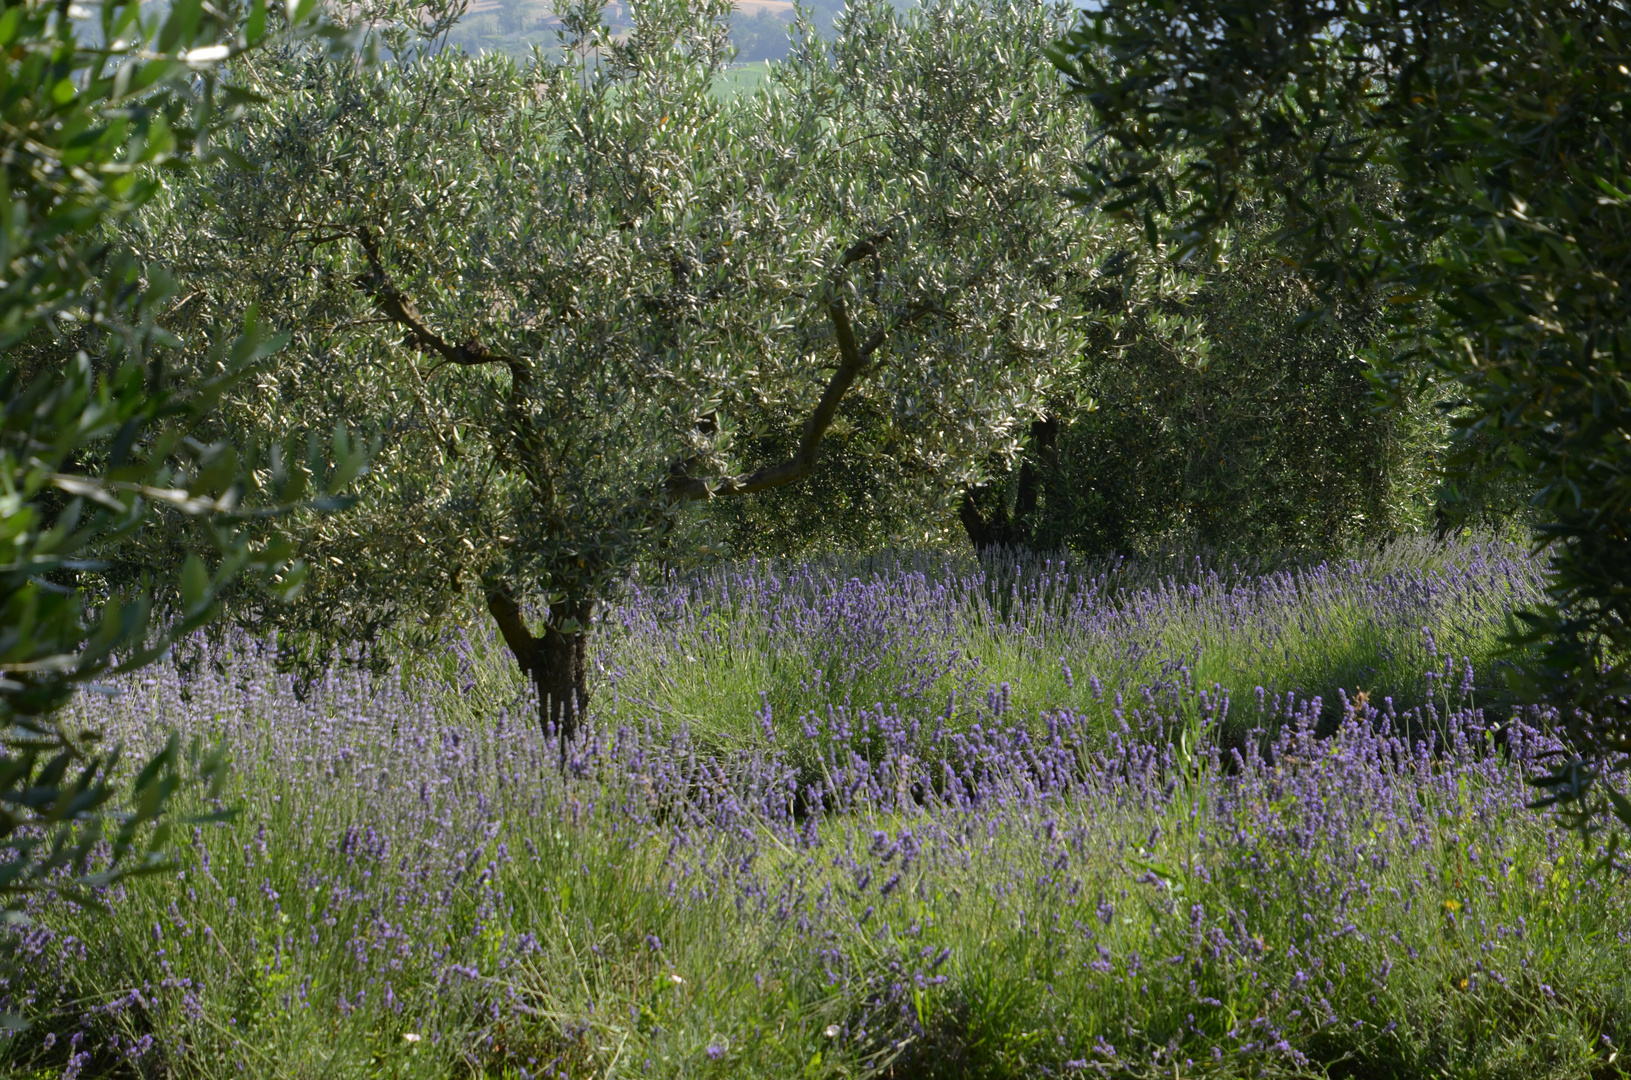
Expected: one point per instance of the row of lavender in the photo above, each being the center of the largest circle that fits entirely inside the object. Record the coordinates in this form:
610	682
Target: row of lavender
962	641
411	889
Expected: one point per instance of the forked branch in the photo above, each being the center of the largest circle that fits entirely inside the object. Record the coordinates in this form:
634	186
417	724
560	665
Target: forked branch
392	303
853	359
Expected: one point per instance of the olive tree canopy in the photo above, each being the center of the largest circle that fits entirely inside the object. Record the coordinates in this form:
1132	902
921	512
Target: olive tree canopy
1501	131
569	296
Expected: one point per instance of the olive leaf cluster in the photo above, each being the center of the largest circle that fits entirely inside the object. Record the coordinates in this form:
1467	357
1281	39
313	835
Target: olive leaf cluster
96	442
1500	132
571	296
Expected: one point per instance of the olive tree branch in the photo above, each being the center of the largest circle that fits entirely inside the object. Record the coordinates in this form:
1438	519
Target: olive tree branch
512	626
854	358
396	306
399	309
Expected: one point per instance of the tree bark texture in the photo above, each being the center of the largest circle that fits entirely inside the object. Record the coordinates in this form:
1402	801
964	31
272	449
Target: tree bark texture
985	514
557	662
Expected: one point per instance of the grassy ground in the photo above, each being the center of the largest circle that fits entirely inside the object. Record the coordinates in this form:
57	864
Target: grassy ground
742	79
1046	887
946	642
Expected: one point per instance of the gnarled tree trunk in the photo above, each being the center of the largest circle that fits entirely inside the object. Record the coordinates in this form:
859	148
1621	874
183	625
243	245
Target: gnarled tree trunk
985	515
557	662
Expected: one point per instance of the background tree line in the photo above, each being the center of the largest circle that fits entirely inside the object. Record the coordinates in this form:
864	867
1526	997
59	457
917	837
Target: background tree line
758	32
580	304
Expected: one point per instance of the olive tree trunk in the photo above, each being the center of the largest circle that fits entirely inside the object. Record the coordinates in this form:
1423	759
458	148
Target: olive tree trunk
556	661
990	523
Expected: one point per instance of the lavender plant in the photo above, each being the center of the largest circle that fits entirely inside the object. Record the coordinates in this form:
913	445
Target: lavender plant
413	890
943	642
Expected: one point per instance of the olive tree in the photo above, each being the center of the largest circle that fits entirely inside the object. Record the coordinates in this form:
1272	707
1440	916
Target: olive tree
1501	133
573	296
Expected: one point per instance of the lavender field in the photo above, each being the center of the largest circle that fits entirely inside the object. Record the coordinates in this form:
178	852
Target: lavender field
904	816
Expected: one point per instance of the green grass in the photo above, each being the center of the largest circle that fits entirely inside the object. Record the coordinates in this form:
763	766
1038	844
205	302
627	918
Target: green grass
742	79
412	891
956	630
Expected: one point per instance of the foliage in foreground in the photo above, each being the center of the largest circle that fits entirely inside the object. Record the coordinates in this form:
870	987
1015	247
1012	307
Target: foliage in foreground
414	891
94	439
1501	132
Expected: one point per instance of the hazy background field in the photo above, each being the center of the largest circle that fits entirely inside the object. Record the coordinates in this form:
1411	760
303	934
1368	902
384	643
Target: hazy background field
758	27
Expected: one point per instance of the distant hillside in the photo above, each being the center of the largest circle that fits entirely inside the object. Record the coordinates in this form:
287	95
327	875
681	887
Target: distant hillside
759	28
